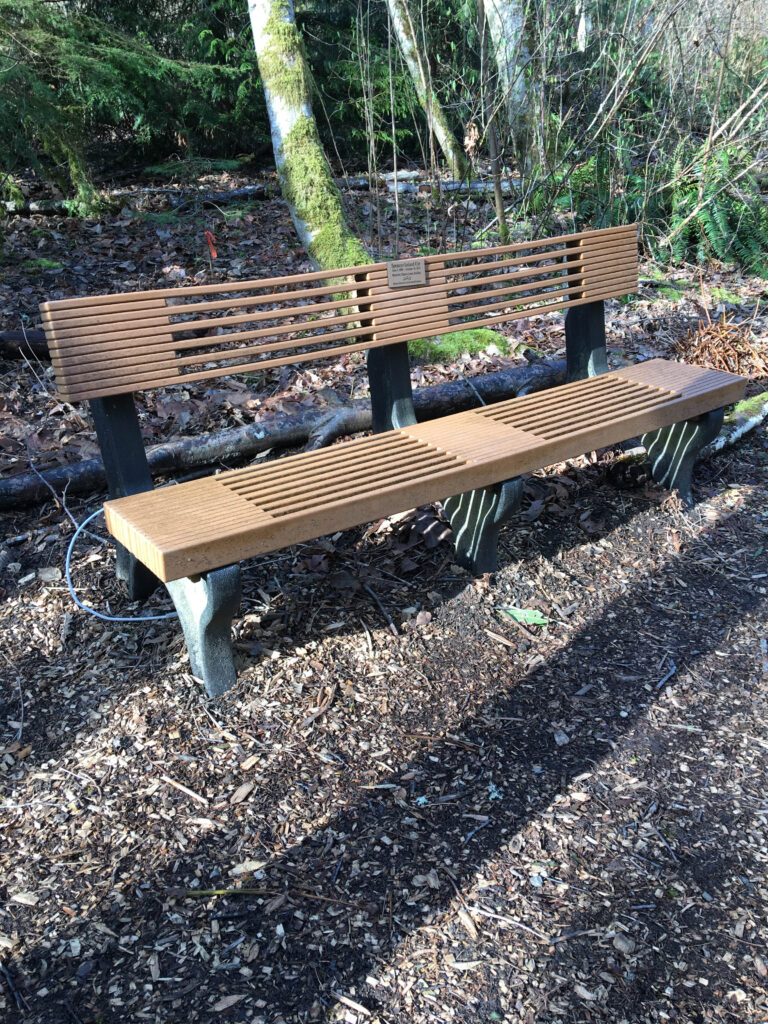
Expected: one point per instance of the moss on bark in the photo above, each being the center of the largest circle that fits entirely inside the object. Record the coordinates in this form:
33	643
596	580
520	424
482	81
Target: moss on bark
312	195
305	175
438	122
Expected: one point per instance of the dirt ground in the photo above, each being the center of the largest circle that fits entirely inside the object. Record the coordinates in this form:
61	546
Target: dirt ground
411	808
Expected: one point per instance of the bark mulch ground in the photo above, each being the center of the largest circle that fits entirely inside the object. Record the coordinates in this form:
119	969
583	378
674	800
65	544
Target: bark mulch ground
412	807
451	818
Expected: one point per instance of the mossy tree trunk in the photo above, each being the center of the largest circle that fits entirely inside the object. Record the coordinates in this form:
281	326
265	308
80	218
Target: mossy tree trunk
305	175
418	67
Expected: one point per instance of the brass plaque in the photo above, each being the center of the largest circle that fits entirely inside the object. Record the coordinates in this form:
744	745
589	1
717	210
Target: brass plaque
406	273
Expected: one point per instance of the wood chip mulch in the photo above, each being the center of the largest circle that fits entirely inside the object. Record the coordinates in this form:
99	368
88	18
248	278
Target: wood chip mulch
410	808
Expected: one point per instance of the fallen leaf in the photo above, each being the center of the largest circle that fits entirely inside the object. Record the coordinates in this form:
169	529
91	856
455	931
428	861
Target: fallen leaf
528	616
226	1001
245	866
241	793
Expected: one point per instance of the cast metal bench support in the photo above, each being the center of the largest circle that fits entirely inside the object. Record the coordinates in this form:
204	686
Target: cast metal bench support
477	517
672	451
389	375
585	341
207	604
127	471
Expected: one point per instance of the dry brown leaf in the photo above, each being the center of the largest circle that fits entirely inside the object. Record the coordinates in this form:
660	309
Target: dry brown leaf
226	1001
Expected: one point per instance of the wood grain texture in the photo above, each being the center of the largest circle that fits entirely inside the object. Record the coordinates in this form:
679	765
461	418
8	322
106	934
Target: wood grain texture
110	344
203	524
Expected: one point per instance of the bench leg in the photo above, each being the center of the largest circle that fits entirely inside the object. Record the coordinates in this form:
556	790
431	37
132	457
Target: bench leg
125	465
585	341
138	580
672	451
477	517
389	375
206	605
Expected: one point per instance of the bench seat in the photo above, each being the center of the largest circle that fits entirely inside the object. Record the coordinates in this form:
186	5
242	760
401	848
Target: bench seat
204	524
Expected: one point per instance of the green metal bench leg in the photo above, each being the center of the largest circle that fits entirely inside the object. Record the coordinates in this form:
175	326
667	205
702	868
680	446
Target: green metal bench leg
672	451
125	465
206	605
477	517
389	375
585	341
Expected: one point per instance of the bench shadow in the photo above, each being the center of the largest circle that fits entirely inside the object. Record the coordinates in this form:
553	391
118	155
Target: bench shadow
338	904
558	527
359	578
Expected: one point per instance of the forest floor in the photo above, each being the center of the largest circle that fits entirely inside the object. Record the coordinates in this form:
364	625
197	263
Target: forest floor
411	807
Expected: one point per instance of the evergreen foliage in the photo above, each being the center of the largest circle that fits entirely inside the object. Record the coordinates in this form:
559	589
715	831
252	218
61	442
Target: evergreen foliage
69	79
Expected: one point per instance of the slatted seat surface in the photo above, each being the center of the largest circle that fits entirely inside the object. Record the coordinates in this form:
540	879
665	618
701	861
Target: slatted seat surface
190	528
112	344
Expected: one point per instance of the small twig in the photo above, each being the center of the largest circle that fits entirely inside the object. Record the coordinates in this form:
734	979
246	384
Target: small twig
476	830
338	869
269	892
319	711
574	935
351	1004
18	998
470	385
368	636
60	501
667	675
499	638
512	922
20	729
20	538
72	1015
671	851
523	629
184	789
382	609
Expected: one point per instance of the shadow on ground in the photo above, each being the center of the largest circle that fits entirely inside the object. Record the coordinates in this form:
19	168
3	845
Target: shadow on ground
334	908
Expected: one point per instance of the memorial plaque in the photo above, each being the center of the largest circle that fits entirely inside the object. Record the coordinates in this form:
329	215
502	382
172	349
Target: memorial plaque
406	273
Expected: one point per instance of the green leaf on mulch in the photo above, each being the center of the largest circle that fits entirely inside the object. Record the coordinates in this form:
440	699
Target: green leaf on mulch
528	616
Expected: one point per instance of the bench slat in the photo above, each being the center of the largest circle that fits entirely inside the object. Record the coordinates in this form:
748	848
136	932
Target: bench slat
200	525
106	345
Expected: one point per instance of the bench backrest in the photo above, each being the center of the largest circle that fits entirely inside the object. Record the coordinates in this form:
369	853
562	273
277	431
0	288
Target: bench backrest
116	344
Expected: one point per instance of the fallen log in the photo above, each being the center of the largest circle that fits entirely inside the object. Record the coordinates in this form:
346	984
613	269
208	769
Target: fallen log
313	427
18	343
247	192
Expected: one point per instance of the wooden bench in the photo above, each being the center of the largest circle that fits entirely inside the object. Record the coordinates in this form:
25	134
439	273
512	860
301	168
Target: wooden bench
192	536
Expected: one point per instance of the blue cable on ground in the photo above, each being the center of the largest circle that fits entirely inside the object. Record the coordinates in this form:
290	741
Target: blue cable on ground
76	599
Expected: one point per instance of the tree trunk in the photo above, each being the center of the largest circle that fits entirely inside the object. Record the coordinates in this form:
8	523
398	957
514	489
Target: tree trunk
417	65
490	123
506	24
313	427
305	175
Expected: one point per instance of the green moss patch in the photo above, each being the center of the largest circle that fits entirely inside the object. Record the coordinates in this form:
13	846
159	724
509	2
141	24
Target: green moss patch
42	264
445	347
192	167
723	295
